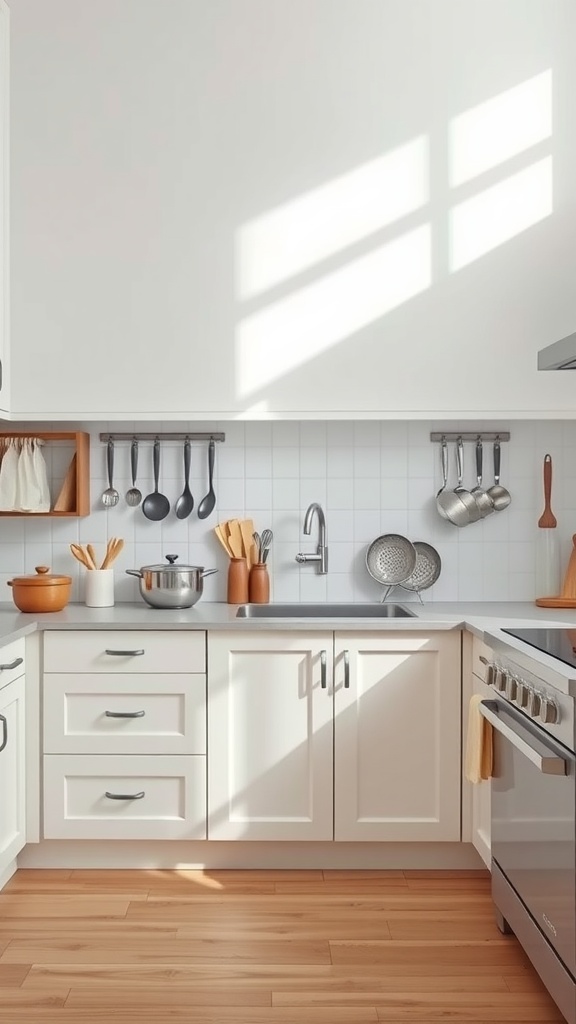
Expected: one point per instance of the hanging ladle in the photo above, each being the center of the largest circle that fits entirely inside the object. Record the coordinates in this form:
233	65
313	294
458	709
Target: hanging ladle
155	505
207	504
185	502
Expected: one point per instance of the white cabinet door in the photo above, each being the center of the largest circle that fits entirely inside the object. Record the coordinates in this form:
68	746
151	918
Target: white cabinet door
12	773
270	703
4	209
397	736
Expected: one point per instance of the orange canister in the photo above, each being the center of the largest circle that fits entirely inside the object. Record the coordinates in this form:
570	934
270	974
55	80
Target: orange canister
45	592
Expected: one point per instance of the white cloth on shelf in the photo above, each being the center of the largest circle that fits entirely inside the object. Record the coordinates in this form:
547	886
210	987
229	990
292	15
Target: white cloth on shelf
28	493
40	477
9	501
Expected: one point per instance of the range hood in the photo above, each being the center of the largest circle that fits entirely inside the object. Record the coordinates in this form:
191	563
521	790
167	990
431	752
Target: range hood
559	356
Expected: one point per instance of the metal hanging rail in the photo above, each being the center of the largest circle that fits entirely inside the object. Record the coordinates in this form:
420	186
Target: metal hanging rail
470	435
188	435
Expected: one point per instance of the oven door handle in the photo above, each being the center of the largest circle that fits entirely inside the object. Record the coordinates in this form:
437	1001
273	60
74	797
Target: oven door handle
534	749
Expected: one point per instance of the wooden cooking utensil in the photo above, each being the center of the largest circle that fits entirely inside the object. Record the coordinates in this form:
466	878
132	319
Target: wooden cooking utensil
81	556
547	520
235	538
247	529
547	542
113	549
92	555
219	531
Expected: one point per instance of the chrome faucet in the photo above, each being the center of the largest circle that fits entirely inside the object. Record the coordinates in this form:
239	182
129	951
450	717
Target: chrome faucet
321	556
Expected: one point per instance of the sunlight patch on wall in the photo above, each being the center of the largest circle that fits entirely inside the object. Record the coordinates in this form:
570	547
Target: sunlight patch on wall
290	332
500	128
485	221
289	239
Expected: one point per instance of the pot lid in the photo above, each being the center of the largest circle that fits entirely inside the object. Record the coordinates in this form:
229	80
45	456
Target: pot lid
166	568
44	578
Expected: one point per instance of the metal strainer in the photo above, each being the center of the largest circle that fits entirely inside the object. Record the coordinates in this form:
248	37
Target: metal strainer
427	568
390	559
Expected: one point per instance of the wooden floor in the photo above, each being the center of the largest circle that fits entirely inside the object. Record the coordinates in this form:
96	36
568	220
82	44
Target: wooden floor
285	947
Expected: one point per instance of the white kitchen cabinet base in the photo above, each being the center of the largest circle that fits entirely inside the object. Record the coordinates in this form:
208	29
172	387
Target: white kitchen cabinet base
167	855
76	804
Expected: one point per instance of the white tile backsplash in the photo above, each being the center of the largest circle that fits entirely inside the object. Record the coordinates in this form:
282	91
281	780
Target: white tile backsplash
370	478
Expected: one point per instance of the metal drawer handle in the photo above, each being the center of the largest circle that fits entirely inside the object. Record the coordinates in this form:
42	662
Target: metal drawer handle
4	732
323	669
346	670
126	654
124	714
540	754
125	796
14	664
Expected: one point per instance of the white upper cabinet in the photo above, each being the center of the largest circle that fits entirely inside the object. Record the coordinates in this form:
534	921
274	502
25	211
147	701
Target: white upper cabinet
290	209
4	210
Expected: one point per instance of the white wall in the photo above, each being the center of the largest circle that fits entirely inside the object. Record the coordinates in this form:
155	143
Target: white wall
204	202
370	477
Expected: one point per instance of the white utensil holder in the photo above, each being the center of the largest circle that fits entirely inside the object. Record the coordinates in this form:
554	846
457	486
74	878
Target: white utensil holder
99	588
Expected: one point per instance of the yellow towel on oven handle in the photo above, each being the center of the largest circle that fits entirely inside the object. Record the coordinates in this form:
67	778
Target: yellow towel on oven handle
479	751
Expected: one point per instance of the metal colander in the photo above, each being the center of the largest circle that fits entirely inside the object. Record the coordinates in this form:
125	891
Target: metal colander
427	568
391	559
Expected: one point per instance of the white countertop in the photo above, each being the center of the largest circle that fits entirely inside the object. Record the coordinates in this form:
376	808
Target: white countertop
477	616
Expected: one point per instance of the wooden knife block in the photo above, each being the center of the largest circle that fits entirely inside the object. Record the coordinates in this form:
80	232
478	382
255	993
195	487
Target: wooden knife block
567	597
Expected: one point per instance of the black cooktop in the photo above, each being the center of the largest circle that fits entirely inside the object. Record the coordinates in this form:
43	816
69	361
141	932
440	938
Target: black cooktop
558	643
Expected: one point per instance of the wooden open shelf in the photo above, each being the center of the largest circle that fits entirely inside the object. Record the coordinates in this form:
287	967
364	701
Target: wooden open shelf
73	498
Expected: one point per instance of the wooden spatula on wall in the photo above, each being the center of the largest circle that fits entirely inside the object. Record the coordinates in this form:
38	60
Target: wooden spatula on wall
547	520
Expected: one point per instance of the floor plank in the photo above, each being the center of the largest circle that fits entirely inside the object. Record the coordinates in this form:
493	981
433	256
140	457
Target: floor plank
260	947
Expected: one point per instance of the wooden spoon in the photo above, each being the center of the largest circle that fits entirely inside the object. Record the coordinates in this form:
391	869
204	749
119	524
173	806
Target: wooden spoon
547	520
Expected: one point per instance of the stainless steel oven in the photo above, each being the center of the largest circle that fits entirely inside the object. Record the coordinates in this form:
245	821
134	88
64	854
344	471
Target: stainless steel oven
534	810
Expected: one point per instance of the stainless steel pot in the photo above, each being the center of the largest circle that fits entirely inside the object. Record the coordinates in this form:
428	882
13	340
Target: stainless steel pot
171	586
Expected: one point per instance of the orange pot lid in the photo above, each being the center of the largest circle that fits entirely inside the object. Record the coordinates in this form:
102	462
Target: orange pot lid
44	578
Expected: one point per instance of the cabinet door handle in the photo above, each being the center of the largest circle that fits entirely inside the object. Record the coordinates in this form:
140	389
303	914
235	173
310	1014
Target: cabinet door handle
346	670
125	796
4	732
323	669
13	664
124	714
126	654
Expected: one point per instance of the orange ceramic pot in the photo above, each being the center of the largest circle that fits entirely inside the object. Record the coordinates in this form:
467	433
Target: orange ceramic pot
41	593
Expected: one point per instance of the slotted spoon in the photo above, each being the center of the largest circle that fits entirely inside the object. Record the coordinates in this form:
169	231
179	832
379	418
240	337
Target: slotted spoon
110	496
134	496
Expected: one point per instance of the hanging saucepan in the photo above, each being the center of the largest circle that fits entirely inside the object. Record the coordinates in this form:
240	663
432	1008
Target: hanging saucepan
171	586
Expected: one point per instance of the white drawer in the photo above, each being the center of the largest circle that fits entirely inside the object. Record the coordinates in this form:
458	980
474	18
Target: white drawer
130	650
12	661
124	714
480	650
173	805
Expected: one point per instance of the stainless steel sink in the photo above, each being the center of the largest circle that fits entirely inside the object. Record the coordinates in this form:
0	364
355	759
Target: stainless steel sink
320	610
